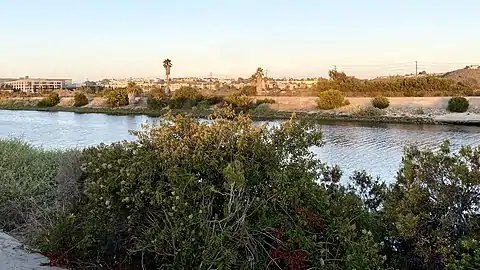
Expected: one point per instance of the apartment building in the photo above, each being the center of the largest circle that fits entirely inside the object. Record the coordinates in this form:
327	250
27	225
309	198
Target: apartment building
33	85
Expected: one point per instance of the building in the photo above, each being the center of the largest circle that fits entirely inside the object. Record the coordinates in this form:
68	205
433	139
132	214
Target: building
33	85
473	67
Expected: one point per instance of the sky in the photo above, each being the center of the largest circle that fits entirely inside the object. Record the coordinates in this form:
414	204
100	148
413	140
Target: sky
94	39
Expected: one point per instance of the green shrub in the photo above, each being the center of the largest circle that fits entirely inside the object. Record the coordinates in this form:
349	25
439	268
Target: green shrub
117	97
157	103
240	102
185	98
263	109
28	183
225	194
51	100
212	100
458	104
395	86
368	112
432	206
380	102
331	99
80	99
187	93
248	90
265	101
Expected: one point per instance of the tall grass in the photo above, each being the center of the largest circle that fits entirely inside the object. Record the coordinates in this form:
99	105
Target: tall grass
31	183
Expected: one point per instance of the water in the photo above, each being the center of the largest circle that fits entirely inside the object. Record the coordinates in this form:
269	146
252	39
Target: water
377	148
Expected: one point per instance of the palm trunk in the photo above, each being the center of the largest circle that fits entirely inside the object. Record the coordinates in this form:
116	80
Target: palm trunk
167	87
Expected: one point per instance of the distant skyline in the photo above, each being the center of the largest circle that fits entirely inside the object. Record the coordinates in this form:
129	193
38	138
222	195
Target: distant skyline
104	39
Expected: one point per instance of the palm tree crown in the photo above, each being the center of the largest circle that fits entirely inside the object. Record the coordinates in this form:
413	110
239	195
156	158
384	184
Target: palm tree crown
167	64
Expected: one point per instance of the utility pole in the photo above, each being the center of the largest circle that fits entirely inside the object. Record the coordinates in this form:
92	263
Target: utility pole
416	68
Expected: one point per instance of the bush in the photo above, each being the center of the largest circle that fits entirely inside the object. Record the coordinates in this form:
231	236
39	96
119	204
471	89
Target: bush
265	101
240	102
185	98
331	99
51	100
80	99
263	199
157	103
212	100
458	104
28	183
248	90
117	97
380	102
263	109
432	206
394	86
368	112
187	93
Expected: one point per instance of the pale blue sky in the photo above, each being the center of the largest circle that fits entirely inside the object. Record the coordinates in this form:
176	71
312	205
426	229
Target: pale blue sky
106	38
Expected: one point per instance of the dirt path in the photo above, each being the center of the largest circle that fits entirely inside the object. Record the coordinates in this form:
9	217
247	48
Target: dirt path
14	256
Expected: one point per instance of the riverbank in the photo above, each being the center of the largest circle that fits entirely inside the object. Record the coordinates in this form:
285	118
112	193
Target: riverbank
416	110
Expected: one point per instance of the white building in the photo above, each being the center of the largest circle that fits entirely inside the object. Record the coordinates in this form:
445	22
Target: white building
31	85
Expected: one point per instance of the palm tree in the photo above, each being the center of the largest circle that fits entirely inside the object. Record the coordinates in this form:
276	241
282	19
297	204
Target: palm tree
133	90
167	64
258	79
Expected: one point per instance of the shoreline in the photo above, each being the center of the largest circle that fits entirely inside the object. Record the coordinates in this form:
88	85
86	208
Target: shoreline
275	115
414	110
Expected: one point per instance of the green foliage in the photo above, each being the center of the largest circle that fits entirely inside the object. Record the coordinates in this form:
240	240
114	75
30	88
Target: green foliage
368	112
380	102
80	99
458	104
158	99
51	100
262	110
419	111
264	199
117	97
433	206
133	88
186	97
331	99
240	102
248	90
469	257
393	87
187	93
27	182
265	101
212	100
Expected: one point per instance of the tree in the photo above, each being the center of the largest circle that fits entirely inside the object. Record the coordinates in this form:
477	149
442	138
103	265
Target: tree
167	64
257	80
133	90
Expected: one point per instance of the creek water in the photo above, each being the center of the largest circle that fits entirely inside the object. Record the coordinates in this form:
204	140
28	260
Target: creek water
376	148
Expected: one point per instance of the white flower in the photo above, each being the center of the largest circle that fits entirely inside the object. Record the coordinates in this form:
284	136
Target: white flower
107	202
176	198
141	191
200	211
190	216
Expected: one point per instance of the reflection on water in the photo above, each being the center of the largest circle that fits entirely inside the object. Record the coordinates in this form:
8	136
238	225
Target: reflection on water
377	148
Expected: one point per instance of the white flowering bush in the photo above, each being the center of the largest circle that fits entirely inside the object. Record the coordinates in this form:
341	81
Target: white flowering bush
225	194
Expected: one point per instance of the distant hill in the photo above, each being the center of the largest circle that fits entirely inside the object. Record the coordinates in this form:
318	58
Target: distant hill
470	77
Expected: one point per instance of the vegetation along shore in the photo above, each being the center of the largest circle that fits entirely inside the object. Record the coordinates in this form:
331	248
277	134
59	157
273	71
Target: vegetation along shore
423	100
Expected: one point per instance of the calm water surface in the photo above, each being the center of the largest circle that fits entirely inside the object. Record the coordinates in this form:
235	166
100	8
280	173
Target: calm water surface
377	148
